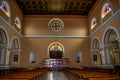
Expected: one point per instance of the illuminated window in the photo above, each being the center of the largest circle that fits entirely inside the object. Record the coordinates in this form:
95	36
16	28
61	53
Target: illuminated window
17	22
5	8
106	9
56	47
93	23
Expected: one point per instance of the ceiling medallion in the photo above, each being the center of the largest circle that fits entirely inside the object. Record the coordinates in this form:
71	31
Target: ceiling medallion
56	25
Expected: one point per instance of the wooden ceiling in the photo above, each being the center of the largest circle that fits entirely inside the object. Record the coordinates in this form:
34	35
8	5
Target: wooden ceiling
61	7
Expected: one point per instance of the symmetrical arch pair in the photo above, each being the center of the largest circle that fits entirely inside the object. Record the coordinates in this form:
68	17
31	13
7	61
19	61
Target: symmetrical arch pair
106	52
4	6
106	9
9	52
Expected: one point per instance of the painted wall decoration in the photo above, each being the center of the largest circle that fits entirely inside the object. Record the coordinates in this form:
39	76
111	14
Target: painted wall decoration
56	25
5	7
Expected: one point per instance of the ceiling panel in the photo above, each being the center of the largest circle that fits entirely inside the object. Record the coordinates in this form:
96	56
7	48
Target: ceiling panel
67	7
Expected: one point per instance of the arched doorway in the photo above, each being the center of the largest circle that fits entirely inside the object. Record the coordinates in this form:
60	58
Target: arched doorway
3	46
14	54
111	47
96	55
55	50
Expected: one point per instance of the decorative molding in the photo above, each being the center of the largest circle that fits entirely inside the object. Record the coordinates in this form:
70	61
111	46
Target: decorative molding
3	45
118	39
107	21
15	50
106	45
95	50
51	36
2	19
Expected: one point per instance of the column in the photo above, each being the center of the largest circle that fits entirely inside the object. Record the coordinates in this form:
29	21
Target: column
118	51
3	53
107	53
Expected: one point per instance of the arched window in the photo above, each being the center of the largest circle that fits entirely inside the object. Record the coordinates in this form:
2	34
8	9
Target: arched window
56	50
78	57
106	9
17	22
93	23
33	57
5	8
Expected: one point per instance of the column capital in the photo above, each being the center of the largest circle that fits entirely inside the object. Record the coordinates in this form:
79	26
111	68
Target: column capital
3	45
94	50
16	50
107	45
118	39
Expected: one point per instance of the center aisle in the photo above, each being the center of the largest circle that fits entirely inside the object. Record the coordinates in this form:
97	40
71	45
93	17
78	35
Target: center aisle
56	76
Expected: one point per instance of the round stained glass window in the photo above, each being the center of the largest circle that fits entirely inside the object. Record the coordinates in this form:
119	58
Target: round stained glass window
56	25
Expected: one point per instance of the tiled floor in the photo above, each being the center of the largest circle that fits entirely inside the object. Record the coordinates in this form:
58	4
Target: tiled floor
56	76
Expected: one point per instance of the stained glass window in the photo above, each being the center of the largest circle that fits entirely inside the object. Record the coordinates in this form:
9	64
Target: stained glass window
56	25
93	23
56	47
106	9
5	8
17	22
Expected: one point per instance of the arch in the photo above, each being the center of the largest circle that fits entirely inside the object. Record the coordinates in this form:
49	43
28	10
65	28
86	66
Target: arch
111	45
15	51
4	6
95	38
93	22
109	28
106	9
55	50
95	51
17	22
33	57
3	45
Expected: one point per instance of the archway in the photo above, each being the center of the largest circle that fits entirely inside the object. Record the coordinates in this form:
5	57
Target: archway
3	46
55	50
96	55
14	54
111	47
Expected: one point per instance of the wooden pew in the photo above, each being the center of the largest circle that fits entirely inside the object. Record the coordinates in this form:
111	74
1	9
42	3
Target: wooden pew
24	75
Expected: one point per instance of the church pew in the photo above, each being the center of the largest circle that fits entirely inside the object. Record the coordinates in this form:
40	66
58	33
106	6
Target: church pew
27	75
105	78
86	74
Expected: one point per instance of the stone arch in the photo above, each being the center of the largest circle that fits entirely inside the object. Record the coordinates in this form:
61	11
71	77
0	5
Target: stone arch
95	51
3	44
111	46
15	51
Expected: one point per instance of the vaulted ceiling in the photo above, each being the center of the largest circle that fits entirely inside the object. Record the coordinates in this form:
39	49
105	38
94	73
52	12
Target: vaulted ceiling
61	7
